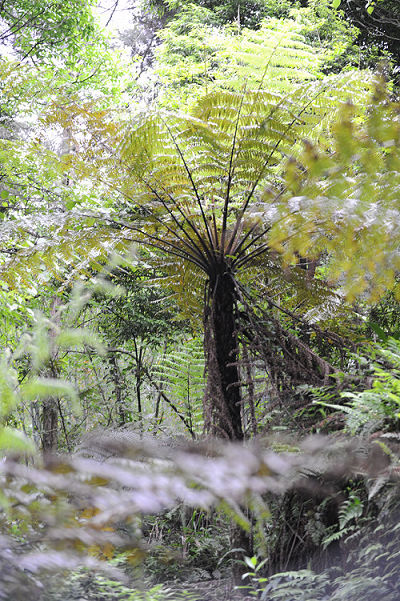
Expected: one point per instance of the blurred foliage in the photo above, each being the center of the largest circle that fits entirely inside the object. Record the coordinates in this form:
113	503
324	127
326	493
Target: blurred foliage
346	201
78	510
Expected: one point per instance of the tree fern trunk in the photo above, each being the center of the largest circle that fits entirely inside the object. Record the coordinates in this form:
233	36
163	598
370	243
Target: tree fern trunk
223	397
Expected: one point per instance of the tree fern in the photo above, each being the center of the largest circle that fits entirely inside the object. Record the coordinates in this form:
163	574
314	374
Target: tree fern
200	179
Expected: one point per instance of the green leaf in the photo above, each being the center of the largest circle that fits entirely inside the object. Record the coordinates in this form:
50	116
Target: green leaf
77	337
251	561
13	440
44	388
378	331
336	3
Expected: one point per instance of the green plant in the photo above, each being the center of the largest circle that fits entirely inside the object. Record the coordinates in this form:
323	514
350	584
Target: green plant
200	181
185	544
197	57
44	29
379	406
256	582
179	379
349	513
93	586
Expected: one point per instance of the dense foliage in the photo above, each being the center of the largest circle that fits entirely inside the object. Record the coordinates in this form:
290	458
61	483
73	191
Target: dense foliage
199	297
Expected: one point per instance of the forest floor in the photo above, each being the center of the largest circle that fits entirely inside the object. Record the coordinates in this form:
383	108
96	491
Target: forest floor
222	589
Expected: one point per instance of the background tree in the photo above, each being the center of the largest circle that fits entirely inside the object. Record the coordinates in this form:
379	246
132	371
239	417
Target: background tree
44	30
144	318
378	22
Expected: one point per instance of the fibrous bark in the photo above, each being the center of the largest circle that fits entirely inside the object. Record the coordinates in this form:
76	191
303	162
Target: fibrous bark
223	396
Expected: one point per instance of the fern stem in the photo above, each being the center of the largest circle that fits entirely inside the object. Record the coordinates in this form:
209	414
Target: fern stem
191	244
275	148
240	250
196	192
230	176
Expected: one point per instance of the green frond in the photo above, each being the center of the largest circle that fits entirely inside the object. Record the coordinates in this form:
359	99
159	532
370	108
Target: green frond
68	253
187	283
276	57
181	375
206	172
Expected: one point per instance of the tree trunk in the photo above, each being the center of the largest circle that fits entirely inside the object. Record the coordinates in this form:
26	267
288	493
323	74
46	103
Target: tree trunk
49	414
49	425
223	395
138	376
117	379
223	406
36	426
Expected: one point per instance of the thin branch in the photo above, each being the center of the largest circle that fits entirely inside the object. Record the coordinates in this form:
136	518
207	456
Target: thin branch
240	255
114	8
239	250
275	148
230	176
189	174
63	426
160	244
186	219
170	403
251	256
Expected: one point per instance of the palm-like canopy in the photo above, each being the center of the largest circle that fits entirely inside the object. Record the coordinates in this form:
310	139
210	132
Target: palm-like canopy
197	191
